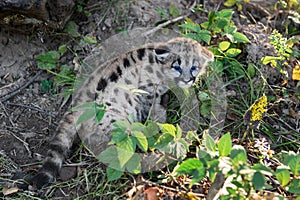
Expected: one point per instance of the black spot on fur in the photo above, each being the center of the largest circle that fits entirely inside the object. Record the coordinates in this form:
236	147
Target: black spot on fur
101	84
126	63
151	60
140	53
119	71
161	51
132	58
113	77
108	104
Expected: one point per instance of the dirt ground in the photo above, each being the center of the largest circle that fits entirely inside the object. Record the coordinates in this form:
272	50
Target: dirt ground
29	113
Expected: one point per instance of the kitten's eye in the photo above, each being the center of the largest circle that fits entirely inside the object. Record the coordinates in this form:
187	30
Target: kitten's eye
177	68
193	68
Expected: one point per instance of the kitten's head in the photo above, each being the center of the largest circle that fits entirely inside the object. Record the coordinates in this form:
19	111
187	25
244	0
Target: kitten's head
184	58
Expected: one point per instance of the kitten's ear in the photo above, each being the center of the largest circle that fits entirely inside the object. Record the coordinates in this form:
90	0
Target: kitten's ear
162	54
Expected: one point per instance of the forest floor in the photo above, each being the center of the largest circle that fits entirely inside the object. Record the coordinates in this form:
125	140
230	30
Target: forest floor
33	101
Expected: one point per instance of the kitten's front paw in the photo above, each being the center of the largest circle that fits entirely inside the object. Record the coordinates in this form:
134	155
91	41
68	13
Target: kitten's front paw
41	179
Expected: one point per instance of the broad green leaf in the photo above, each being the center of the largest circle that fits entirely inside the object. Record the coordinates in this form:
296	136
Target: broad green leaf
113	174
294	186
85	116
210	143
122	125
194	168
99	114
233	52
238	154
258	180
201	35
151	129
240	37
48	60
224	45
163	140
178	131
134	164
294	165
128	144
168	128
225	14
213	168
110	156
142	141
225	145
282	175
117	135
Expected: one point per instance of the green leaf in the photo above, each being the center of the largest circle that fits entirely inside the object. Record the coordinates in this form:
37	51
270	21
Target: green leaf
128	144
194	168
225	14
62	49
251	70
111	156
142	141
85	116
233	52
258	180
117	135
270	59
178	131
174	12
72	29
134	164
240	37
224	45
168	128
100	114
163	140
89	40
294	187
238	154
210	143
48	60
225	145
294	165
202	35
282	175
113	174
230	3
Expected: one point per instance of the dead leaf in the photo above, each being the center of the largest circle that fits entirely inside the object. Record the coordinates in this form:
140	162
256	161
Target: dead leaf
153	193
8	191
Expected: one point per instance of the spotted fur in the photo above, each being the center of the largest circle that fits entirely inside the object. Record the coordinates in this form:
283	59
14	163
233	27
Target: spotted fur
150	69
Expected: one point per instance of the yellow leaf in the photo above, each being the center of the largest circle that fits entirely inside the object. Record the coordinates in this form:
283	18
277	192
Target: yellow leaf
296	73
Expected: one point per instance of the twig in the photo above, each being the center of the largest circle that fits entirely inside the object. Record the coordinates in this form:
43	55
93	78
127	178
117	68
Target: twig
7	115
160	26
9	95
31	107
